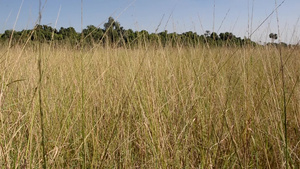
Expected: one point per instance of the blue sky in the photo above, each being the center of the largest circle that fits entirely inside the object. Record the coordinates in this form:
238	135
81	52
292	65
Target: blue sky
175	15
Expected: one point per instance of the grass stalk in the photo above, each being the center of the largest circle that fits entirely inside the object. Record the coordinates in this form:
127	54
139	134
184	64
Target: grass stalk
40	91
83	115
284	109
283	94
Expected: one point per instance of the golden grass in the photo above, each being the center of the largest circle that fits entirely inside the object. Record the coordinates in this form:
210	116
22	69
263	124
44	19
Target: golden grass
150	108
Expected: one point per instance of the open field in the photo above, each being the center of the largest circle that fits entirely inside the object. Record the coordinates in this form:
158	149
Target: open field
221	107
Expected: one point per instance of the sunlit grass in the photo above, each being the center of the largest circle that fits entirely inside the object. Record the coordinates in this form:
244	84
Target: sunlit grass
150	107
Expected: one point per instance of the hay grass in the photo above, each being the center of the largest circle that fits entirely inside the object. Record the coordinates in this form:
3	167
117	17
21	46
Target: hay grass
150	107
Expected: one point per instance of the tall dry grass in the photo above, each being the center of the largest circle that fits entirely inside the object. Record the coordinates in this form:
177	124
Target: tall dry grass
150	107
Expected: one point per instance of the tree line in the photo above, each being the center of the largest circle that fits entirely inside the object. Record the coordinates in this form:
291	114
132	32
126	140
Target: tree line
113	34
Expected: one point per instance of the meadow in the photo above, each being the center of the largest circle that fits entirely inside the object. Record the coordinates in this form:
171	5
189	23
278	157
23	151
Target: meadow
149	107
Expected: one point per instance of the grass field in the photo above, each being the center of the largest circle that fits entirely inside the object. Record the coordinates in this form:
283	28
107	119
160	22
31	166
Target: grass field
218	107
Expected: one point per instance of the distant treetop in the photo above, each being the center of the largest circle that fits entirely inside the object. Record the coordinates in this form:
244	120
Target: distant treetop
113	34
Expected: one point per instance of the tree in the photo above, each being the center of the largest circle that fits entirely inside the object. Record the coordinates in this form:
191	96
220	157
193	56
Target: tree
207	33
7	34
214	36
114	34
129	36
163	37
273	36
222	36
44	33
69	35
228	36
112	29
92	34
111	24
10	34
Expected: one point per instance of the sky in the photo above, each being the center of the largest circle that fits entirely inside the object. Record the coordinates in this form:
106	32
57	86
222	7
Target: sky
243	18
